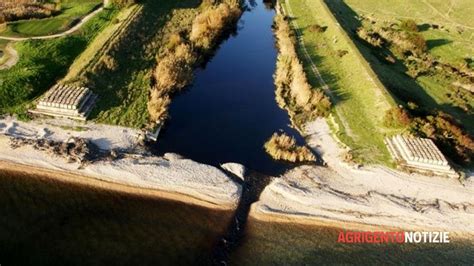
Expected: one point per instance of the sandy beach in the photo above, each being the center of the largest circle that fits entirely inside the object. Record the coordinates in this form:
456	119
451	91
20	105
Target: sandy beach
170	176
368	198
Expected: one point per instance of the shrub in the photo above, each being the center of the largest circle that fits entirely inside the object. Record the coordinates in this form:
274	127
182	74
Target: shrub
209	25
409	25
26	9
283	147
397	117
317	28
158	105
341	53
293	91
175	70
448	135
418	43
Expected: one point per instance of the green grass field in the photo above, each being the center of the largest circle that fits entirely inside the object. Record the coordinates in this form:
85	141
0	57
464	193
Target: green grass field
71	10
455	16
123	89
43	62
360	100
451	44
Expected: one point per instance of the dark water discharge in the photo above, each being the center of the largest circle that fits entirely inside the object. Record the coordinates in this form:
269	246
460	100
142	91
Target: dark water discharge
230	110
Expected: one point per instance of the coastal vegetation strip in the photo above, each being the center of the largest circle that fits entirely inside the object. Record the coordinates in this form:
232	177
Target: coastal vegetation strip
359	99
183	51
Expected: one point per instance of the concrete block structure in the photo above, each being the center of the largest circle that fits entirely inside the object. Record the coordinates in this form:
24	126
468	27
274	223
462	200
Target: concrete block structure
66	101
419	154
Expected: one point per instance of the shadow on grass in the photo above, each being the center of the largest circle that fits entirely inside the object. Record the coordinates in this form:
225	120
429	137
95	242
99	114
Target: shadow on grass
134	57
437	42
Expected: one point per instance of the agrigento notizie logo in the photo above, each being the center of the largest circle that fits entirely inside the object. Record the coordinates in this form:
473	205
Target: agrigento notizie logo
350	237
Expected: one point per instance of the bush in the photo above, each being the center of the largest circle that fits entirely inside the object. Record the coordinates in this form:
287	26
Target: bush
448	135
317	28
397	117
175	70
293	91
418	43
409	25
209	25
283	147
26	9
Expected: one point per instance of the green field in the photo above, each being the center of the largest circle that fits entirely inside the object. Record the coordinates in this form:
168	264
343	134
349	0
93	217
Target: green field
450	44
43	62
71	11
118	65
360	100
455	16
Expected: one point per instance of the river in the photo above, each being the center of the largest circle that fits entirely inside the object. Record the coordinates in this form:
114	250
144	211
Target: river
230	111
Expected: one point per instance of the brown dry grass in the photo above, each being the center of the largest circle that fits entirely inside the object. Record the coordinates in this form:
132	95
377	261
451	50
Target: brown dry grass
11	10
284	147
293	90
175	65
210	24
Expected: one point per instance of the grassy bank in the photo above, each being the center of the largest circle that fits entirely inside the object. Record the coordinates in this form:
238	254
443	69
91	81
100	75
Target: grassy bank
360	101
120	65
70	11
49	222
427	66
42	62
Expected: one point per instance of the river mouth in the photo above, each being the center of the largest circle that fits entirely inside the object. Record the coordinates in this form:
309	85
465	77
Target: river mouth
230	111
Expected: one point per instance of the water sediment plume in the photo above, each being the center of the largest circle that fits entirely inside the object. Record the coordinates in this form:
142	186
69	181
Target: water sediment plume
77	220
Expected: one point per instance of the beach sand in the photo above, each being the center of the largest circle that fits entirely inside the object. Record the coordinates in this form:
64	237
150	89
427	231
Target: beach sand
369	198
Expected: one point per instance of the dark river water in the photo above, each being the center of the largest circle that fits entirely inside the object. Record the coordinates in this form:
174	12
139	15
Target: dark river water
230	110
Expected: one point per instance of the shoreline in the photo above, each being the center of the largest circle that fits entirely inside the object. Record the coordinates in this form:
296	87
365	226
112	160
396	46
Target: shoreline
93	182
314	221
132	168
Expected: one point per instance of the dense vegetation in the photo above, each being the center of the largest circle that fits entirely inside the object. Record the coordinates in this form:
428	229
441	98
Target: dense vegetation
284	147
293	91
11	10
44	18
359	100
434	91
175	65
42	62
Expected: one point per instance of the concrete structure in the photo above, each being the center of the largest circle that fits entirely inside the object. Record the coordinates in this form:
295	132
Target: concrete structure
419	154
66	101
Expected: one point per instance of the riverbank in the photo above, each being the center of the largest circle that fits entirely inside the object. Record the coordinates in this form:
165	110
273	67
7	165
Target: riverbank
365	198
170	176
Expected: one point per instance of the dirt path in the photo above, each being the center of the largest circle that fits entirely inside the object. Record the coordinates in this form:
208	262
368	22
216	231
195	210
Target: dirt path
65	33
316	72
12	56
